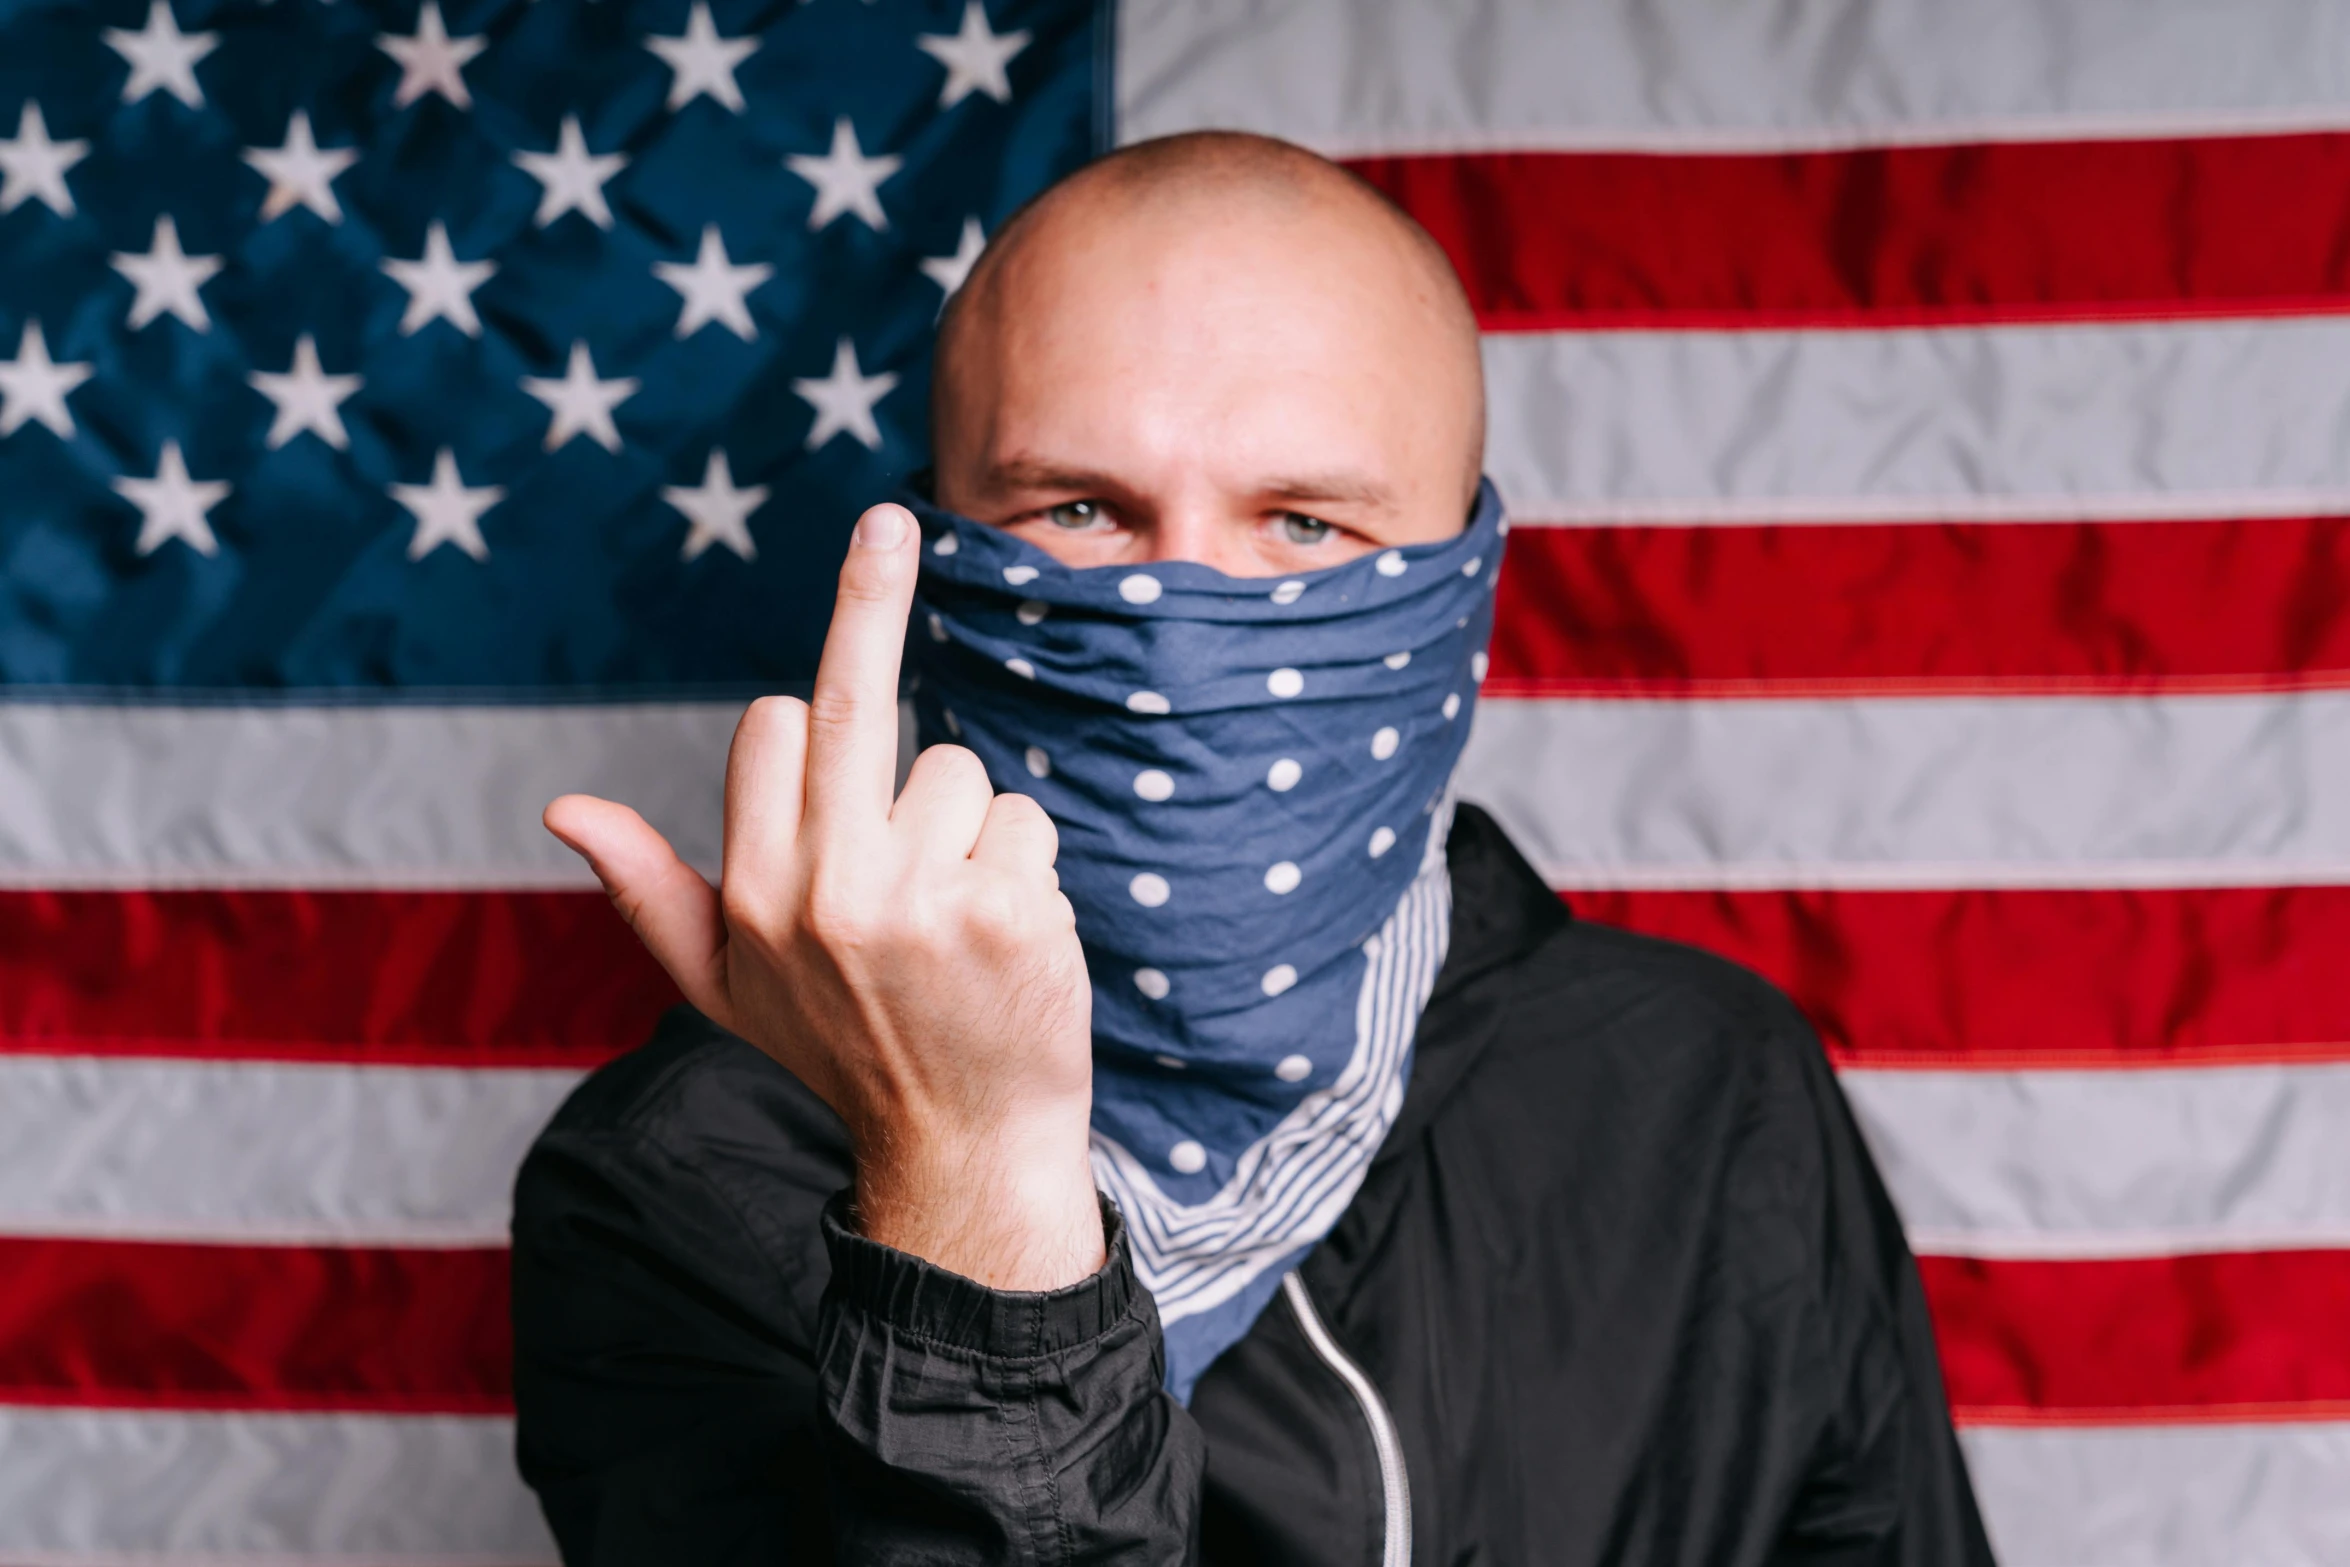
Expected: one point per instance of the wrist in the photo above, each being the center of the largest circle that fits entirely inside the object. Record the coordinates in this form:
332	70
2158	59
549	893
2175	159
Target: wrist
1013	1210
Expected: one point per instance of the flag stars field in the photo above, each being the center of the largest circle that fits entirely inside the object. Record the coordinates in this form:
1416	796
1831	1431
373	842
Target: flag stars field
166	279
844	400
701	63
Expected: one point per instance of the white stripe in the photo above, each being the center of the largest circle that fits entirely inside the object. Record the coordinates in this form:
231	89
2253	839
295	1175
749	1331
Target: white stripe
142	795
1929	792
97	1488
2004	423
1378	76
268	1153
2165	1496
2105	1164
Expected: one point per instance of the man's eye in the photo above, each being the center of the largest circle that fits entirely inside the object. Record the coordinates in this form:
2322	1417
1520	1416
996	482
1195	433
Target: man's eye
1299	528
1074	514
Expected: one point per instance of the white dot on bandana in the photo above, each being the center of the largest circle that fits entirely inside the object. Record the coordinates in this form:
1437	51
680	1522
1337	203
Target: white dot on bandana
1278	978
1019	576
1502	528
1283	776
1021	667
947	544
1391	564
1478	664
1039	764
1151	983
1381	841
1294	1069
1171	1063
1031	611
1141	588
1148	702
1396	660
1285	682
1472	565
1153	785
1289	592
1383	743
1188	1157
1150	889
1452	705
938	628
1283	877
954	724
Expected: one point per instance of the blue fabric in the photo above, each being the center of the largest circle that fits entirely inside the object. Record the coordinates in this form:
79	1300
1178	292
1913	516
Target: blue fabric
1249	777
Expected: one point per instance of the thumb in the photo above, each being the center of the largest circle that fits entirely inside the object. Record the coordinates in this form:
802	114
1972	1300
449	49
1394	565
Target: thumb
669	905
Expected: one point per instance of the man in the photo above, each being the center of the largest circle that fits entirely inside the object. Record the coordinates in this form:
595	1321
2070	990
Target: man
1445	1228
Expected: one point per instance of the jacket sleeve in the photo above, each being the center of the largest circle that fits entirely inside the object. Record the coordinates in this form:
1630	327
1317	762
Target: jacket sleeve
969	1425
1887	1485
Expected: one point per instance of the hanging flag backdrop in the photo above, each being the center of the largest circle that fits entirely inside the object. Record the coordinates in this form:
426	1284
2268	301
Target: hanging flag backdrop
1927	425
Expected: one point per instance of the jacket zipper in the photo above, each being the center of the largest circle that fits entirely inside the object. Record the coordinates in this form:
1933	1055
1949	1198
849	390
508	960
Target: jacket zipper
1395	1484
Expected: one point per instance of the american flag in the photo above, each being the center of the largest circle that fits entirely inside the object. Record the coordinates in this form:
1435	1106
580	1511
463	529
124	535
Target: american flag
1931	427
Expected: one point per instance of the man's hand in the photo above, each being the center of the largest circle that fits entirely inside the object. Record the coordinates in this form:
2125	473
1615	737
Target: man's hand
916	966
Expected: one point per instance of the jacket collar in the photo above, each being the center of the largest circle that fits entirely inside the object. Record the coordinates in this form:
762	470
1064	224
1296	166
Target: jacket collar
1501	911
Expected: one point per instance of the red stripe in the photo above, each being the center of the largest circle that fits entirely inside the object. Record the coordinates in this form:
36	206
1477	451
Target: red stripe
1884	609
253	1327
2006	977
105	1324
426	977
2234	1336
1890	236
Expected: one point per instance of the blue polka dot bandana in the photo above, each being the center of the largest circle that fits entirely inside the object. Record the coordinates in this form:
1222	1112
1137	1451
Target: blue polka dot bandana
1250	779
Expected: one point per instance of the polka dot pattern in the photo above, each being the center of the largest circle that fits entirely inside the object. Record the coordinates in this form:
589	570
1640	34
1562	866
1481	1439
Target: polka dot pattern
1249	777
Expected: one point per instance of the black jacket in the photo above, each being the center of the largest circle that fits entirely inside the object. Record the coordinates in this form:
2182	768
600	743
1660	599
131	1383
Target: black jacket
1621	1287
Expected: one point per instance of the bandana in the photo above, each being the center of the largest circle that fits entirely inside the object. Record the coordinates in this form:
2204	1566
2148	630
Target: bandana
1250	777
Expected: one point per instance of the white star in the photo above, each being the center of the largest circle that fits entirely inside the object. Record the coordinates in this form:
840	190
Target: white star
162	57
975	57
446	511
582	405
713	288
33	165
32	386
719	513
300	172
844	399
167	279
845	179
430	60
438	284
307	398
702	62
574	180
948	272
172	505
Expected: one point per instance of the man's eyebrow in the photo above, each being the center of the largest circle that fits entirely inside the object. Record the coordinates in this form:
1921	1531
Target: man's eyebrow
1028	473
1354	489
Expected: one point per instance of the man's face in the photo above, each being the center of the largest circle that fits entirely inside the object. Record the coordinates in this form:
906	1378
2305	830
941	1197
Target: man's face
1267	388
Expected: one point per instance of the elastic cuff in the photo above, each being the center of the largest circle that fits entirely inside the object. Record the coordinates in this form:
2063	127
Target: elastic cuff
920	1299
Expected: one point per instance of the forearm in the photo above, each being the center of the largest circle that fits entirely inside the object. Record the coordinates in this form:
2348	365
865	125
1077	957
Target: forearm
970	1425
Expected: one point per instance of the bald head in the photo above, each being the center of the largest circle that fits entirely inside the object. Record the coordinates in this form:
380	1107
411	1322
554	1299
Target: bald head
1215	347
